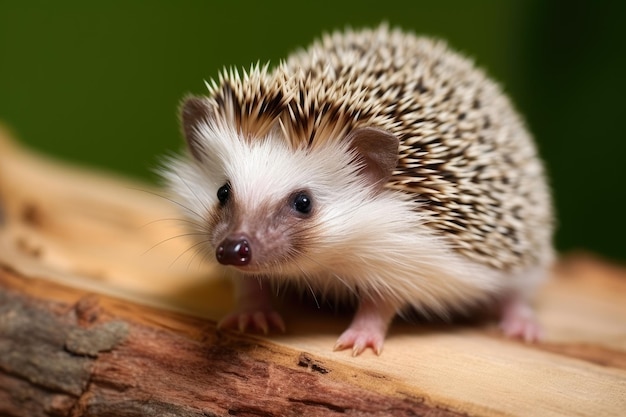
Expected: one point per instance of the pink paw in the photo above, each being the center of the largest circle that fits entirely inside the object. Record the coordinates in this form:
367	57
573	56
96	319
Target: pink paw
256	320
368	327
518	321
361	339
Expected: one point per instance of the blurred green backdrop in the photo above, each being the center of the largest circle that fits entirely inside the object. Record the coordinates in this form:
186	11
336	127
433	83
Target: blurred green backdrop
100	82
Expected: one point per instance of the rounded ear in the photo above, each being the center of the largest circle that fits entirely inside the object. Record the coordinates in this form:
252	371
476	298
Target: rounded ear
195	111
377	150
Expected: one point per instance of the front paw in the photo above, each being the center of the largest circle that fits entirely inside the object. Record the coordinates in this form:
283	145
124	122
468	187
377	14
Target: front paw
253	320
368	327
360	339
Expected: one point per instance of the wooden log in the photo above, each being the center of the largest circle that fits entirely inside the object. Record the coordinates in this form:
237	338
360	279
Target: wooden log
104	312
94	358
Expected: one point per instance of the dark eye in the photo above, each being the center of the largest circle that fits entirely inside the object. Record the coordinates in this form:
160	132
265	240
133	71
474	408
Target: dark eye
302	203
223	193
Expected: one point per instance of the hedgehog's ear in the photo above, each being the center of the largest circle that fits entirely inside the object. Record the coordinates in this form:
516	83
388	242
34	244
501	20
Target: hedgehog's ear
194	112
377	150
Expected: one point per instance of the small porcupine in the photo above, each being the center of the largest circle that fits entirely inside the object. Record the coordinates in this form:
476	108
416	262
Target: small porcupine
375	164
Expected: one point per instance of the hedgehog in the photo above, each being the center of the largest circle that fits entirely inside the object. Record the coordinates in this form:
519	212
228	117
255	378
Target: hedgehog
377	166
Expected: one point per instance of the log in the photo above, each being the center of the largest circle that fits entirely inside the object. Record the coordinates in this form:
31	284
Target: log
105	310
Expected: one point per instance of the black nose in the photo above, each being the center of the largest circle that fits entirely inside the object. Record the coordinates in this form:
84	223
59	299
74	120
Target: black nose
234	252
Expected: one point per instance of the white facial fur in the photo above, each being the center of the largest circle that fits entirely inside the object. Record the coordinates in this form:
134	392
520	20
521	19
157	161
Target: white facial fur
357	239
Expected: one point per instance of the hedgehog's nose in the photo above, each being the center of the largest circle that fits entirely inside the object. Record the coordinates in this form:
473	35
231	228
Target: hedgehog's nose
234	252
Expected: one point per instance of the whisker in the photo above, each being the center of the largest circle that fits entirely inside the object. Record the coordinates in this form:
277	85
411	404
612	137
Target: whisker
203	252
332	273
172	219
187	250
305	277
172	238
260	280
171	200
206	253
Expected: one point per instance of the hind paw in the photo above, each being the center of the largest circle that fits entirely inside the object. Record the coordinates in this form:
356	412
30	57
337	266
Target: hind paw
519	321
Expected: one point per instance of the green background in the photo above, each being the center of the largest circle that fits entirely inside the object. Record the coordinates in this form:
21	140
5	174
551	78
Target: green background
99	82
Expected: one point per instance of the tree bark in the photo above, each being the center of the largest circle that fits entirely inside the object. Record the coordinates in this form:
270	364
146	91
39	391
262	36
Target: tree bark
89	358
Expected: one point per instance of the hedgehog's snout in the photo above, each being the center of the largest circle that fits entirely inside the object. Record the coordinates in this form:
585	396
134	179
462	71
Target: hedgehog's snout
234	251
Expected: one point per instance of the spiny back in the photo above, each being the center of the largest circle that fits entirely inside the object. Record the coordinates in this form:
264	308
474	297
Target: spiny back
465	155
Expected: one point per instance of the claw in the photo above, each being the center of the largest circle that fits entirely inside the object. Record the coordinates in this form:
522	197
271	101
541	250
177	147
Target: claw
277	321
260	321
361	339
244	321
368	328
254	312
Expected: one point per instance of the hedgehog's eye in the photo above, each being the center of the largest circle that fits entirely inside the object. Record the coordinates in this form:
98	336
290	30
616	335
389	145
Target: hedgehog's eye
302	203
223	193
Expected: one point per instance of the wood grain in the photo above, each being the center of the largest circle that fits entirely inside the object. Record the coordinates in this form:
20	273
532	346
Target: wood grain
105	309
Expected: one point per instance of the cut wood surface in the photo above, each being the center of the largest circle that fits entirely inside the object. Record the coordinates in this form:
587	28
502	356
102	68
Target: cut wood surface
106	310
